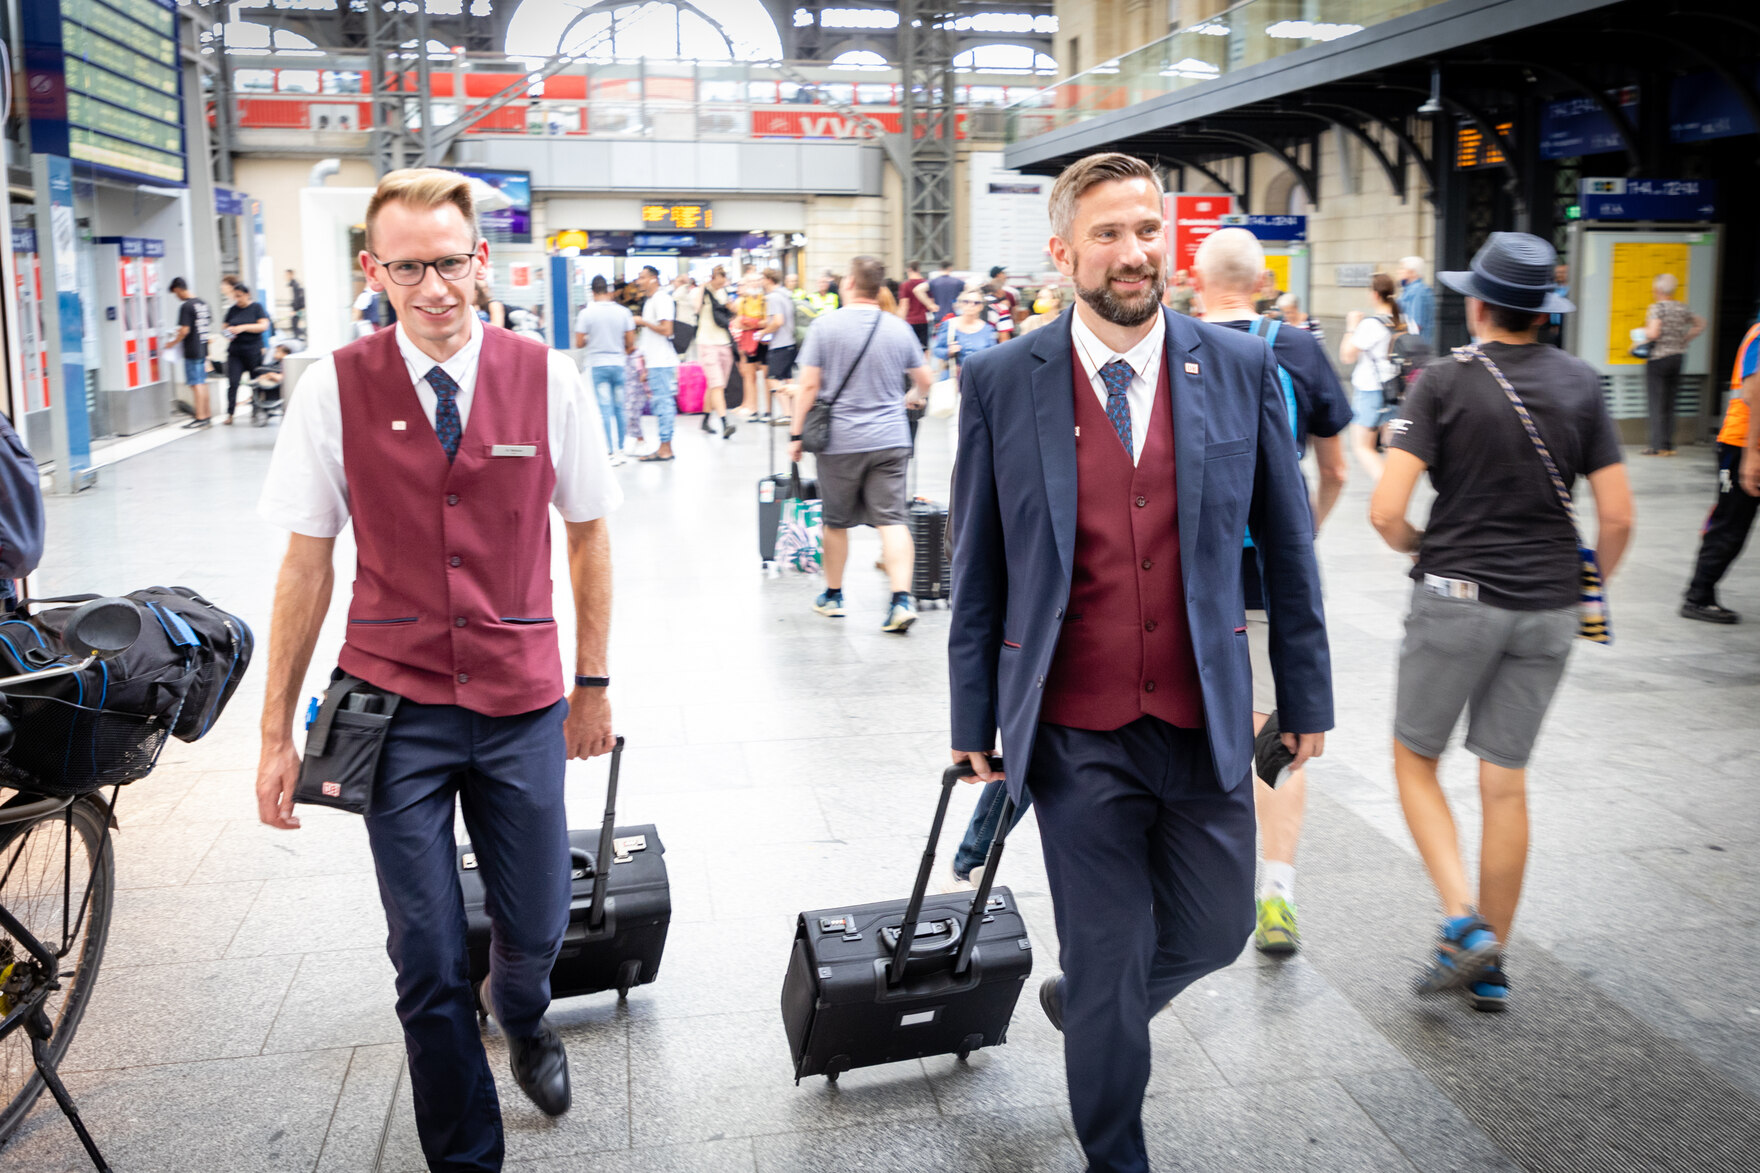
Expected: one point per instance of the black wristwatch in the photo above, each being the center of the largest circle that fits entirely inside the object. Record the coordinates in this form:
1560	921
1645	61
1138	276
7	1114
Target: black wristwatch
592	681
794	437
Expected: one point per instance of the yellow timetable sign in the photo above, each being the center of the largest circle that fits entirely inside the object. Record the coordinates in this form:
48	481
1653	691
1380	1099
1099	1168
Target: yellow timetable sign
1636	264
685	217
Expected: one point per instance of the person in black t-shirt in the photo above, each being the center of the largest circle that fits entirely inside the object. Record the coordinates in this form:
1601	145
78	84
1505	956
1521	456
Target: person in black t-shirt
1227	277
1494	609
247	325
193	325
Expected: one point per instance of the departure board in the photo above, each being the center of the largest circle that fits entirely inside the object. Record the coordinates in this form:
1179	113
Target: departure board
124	110
685	217
1472	152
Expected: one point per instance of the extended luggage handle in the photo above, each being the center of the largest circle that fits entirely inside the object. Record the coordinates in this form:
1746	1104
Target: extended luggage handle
607	842
907	931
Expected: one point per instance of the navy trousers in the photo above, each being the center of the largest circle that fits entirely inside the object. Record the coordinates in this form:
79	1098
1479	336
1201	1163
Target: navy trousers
1151	869
506	774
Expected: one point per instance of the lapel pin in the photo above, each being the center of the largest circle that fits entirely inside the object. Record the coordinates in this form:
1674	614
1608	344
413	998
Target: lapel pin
1078	431
1191	368
399	426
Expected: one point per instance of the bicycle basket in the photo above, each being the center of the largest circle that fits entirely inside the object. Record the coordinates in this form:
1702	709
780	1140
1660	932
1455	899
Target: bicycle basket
62	748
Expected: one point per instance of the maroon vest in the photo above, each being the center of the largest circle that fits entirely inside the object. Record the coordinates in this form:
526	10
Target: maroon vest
452	596
1126	647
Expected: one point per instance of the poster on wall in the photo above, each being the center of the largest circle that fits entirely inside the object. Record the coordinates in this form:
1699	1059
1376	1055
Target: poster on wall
1636	265
1192	218
512	223
1009	222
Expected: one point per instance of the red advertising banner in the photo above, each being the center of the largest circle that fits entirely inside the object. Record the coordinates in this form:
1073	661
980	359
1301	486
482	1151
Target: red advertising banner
1193	217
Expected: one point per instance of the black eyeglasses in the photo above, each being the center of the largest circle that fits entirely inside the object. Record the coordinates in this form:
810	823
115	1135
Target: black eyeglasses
452	268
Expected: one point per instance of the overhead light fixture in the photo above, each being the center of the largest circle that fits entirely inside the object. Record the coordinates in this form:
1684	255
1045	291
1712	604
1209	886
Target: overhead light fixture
1433	105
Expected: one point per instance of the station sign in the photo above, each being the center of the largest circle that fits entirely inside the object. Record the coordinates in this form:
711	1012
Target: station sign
1192	218
1648	199
686	217
1269	227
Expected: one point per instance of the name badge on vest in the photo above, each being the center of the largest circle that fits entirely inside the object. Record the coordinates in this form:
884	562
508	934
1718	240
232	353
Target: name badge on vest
513	450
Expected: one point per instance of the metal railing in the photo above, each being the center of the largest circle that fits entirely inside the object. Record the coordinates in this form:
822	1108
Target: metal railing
1246	34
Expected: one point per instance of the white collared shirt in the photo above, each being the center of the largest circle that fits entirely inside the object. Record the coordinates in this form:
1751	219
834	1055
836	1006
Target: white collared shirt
306	490
1144	359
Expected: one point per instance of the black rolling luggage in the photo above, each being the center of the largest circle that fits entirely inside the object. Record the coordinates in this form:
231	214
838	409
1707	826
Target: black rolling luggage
930	579
935	975
618	918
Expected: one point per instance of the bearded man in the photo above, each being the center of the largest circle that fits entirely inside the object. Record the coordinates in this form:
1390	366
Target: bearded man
1109	469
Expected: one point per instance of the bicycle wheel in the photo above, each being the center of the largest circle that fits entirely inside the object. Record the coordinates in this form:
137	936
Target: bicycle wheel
34	887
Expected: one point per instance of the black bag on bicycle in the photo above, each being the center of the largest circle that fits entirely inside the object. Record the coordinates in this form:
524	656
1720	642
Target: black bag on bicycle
185	666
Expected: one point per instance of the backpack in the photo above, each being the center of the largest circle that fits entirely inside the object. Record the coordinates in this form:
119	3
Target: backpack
1272	325
804	316
183	668
21	506
1410	354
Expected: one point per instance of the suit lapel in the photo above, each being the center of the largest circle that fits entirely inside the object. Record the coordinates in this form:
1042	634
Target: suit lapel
1055	410
1185	384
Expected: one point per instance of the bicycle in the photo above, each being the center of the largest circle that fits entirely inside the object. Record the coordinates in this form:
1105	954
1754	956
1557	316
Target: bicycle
47	841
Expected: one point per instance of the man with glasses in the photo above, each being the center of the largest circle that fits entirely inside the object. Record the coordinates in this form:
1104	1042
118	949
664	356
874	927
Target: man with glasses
446	441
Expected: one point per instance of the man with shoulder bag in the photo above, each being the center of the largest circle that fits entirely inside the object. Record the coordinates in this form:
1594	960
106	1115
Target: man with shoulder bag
446	441
1502	587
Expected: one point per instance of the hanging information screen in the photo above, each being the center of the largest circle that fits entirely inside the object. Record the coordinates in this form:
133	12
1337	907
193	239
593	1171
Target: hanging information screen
123	108
1636	265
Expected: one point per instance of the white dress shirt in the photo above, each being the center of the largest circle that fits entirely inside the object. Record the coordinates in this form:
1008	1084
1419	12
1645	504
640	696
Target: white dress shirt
1144	359
307	492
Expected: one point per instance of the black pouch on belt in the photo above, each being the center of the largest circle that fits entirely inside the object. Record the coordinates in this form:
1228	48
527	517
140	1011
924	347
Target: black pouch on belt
343	744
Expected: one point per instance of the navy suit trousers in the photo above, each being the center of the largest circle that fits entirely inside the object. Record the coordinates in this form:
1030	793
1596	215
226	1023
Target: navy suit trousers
506	774
1151	869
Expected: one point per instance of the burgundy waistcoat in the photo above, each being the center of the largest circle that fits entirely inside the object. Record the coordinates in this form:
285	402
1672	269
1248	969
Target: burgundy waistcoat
1126	646
452	596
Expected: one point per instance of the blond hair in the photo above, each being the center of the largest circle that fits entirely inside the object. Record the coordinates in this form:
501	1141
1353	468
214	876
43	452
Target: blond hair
421	189
1084	173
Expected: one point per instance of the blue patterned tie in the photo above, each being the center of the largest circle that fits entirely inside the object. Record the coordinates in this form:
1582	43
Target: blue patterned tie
446	424
1117	376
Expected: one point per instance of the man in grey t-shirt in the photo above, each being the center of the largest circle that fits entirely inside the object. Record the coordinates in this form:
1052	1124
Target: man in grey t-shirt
607	332
778	337
858	357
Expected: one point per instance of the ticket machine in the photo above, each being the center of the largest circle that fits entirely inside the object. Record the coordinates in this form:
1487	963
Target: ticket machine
33	403
133	391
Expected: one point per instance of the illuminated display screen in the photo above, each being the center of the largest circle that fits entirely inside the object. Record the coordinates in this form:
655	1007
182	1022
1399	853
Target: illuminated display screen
1473	153
123	107
684	217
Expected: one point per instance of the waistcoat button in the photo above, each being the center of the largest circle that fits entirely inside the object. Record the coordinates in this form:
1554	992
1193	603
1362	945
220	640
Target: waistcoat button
1142	501
1149	626
457	561
452	498
465	678
1149	687
1146	563
460	621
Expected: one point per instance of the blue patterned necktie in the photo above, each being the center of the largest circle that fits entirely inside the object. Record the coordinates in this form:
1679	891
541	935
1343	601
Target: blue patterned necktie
1117	376
446	424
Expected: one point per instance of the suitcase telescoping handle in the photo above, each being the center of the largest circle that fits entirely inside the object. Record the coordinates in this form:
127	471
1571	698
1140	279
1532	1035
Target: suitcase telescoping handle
607	842
907	932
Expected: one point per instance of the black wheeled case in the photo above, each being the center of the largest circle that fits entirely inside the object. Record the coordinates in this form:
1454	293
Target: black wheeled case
619	915
902	979
930	580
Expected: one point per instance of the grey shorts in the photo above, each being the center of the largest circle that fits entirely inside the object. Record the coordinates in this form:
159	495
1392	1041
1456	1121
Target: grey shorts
1259	652
1501	666
864	488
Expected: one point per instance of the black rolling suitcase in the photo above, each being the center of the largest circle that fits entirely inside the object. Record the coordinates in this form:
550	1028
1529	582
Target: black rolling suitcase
618	918
930	579
875	984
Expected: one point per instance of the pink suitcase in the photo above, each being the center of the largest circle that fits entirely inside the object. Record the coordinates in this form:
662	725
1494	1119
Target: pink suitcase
693	384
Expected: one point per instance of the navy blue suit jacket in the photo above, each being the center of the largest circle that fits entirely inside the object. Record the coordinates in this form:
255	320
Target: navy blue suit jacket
1013	514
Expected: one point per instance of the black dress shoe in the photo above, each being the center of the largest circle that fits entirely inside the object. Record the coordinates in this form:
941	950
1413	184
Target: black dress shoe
1709	612
1051	1000
540	1067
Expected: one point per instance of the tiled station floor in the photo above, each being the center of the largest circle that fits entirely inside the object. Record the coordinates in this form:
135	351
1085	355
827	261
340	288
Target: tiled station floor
243	1019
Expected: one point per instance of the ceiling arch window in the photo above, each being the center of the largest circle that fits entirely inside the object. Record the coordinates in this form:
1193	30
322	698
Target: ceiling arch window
703	30
859	59
1004	59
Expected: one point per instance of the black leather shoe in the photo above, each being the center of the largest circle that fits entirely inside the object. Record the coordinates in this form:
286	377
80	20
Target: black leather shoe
1051	1000
540	1067
1709	613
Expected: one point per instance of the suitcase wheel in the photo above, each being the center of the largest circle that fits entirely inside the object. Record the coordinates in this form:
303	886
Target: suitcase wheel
836	1067
629	974
967	1045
